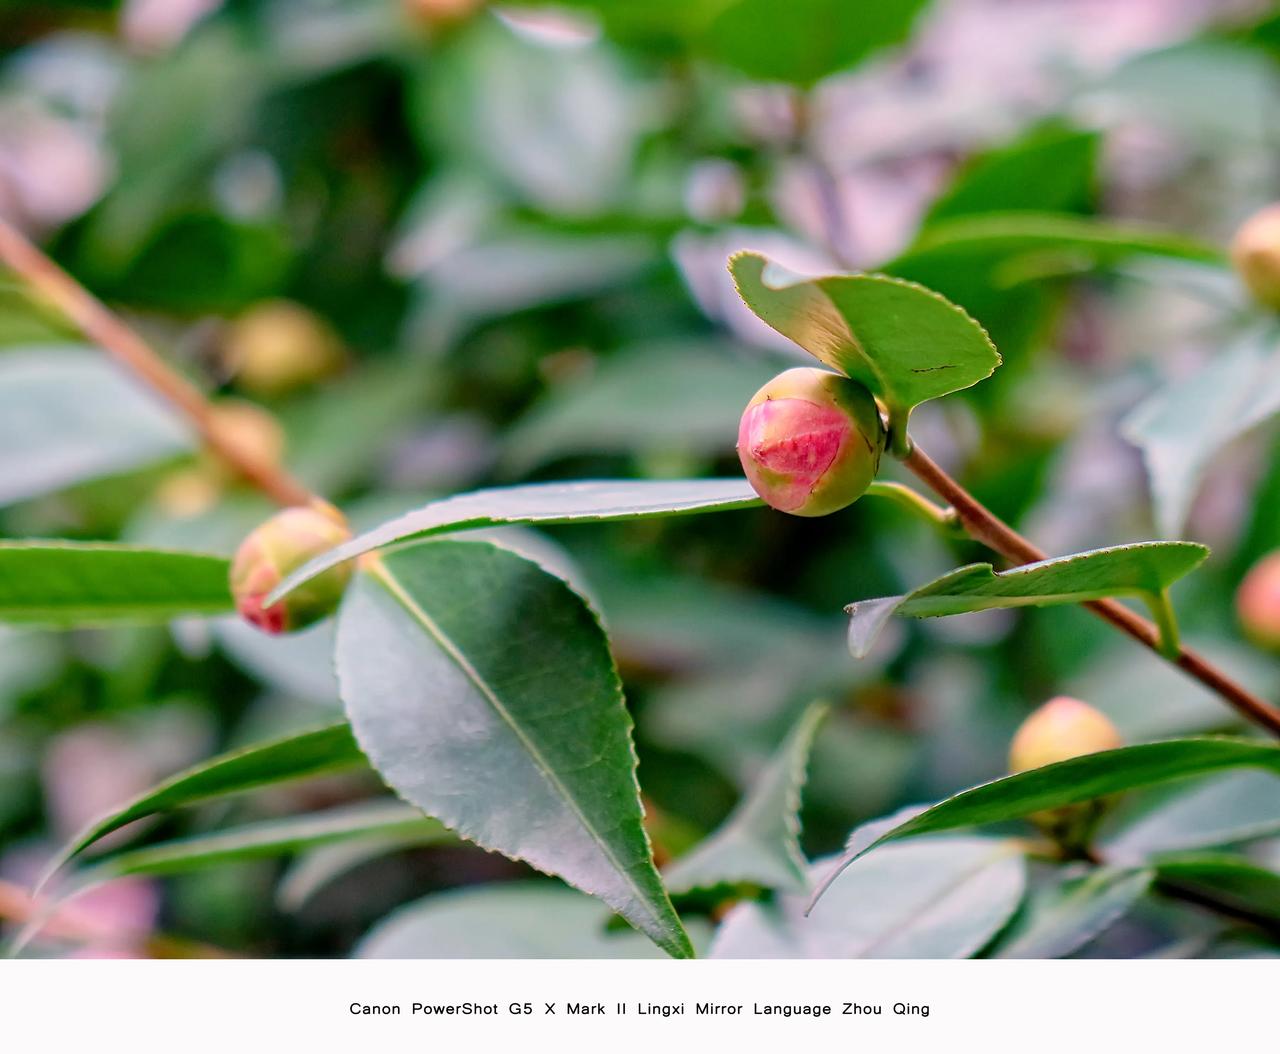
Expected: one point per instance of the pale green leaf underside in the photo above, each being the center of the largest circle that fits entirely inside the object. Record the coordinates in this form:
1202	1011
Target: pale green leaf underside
482	689
1065	916
1066	783
546	503
905	343
68	414
758	844
939	898
54	583
1143	569
310	753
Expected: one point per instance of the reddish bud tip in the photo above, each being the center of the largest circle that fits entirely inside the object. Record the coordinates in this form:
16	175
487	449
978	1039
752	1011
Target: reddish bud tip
1258	602
275	549
810	441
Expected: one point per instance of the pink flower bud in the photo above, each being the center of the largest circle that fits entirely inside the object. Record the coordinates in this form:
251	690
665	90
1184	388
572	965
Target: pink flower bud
1255	252
1062	728
1258	602
810	441
281	545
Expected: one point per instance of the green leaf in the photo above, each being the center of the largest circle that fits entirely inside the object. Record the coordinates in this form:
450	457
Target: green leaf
482	689
1252	890
1196	814
805	40
759	844
1180	428
1142	569
311	753
905	343
940	898
516	920
314	870
1066	783
586	502
266	839
1065	915
67	414
667	398
88	583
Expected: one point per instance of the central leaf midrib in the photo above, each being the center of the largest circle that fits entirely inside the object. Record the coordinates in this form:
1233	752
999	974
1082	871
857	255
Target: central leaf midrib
472	674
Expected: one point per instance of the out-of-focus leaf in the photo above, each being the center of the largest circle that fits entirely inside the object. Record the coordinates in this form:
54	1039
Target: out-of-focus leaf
69	415
586	501
940	898
265	839
1143	569
1181	427
1050	169
316	869
1199	814
518	920
905	343
759	844
55	583
312	753
1065	915
1066	783
684	398
1246	887
805	40
299	665
504	718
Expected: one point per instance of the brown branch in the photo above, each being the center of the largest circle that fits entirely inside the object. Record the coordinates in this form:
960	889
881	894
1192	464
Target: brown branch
53	285
984	526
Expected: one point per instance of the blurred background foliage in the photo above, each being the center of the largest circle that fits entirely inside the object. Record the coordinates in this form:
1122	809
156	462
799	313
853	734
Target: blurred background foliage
448	245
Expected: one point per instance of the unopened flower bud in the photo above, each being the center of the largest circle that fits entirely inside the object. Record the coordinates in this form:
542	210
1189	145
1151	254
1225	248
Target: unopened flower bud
279	346
1255	252
255	434
1062	728
281	545
1258	602
810	441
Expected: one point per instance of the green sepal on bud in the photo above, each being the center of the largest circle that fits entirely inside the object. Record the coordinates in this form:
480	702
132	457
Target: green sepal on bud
1258	602
1061	729
1255	254
810	441
275	549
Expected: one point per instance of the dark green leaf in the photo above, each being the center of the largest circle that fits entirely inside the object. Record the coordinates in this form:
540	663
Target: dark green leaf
940	898
483	691
1065	915
905	343
87	583
588	501
759	844
1066	783
1143	569
311	753
1243	886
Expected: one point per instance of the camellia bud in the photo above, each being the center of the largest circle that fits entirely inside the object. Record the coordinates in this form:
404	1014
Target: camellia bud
281	545
279	346
1258	602
810	441
1255	252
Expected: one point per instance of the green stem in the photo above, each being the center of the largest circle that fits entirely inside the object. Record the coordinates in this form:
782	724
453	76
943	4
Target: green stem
1166	622
906	498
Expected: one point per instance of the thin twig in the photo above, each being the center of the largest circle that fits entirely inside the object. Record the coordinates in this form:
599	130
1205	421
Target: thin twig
53	285
984	526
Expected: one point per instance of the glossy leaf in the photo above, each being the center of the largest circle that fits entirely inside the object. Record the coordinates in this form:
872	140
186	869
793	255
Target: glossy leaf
483	691
1246	887
1180	428
585	502
517	920
905	343
1143	569
759	844
1066	783
56	583
67	414
311	753
1066	915
940	898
